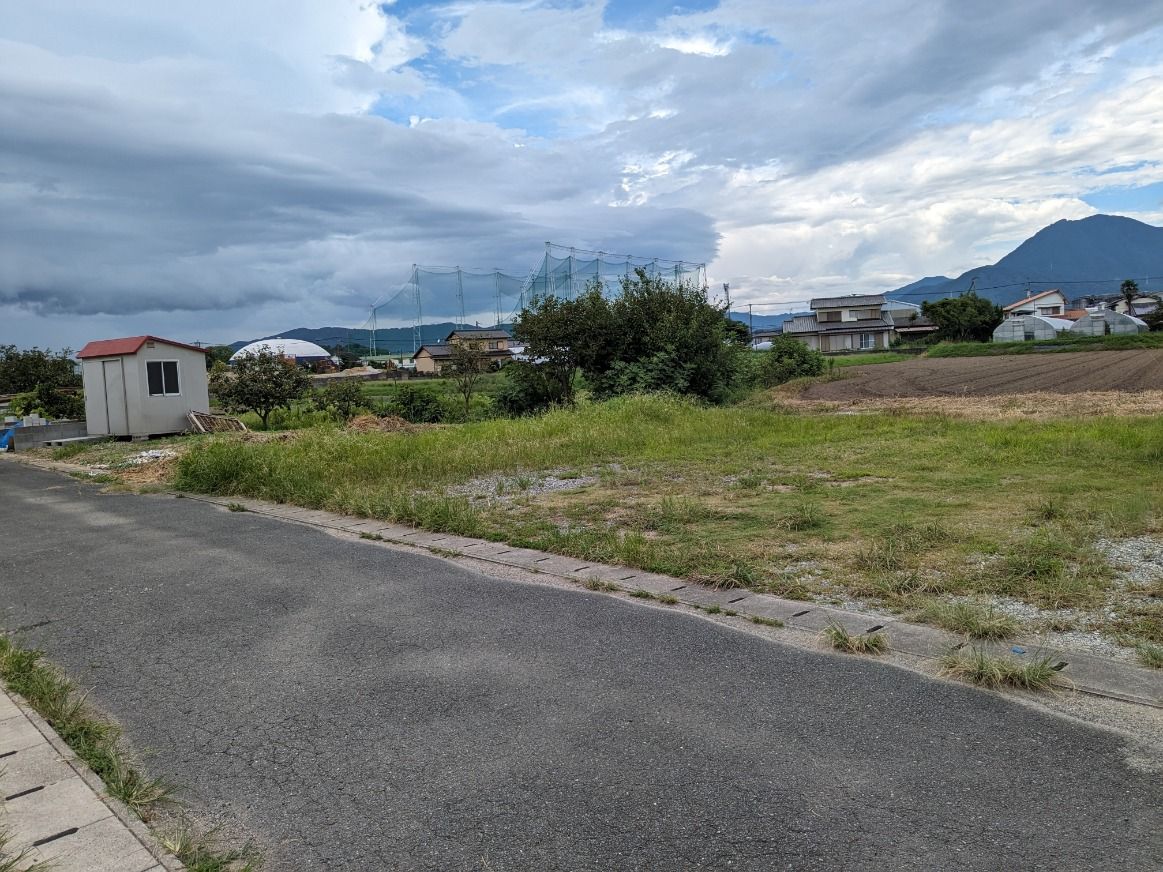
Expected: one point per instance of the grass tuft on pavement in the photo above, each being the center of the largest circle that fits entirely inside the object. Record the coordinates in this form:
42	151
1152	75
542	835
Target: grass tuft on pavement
1150	655
854	643
17	861
974	621
990	670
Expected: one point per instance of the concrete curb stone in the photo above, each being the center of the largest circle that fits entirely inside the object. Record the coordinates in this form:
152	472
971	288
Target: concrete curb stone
67	794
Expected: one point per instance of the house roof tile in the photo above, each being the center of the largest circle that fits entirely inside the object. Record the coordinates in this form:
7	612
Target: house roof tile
850	300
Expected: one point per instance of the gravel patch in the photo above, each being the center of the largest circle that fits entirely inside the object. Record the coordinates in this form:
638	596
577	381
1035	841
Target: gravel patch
506	488
1137	562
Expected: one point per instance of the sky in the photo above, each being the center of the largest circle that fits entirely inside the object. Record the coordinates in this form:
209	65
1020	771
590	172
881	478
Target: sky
219	171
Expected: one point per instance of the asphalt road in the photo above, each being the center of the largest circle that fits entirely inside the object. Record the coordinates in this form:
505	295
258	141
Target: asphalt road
357	708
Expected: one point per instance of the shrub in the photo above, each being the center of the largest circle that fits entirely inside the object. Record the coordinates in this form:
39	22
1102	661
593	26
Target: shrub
527	389
788	358
343	398
418	405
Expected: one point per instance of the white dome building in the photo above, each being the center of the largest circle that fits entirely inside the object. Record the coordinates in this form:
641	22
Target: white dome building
295	349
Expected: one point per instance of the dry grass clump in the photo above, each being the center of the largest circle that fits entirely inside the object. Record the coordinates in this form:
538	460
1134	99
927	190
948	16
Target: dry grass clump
990	670
975	621
854	643
1150	655
375	424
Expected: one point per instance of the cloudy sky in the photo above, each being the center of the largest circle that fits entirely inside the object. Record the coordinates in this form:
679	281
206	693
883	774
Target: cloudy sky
232	168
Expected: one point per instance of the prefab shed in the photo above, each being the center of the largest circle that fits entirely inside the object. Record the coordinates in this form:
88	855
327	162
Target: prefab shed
142	385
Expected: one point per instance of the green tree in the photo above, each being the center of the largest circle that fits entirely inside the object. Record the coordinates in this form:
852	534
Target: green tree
656	336
260	383
218	354
967	318
50	402
347	357
22	371
788	358
1129	289
465	368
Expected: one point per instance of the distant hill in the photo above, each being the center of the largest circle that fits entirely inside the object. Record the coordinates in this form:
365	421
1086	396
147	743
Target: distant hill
1089	256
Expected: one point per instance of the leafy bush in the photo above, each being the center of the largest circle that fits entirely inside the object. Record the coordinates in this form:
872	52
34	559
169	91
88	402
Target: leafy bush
417	405
527	389
342	398
788	358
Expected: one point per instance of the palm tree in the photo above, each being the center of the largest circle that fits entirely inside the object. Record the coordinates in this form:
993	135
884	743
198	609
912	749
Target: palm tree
1129	289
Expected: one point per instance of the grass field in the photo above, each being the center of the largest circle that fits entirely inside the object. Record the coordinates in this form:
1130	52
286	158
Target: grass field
869	357
891	508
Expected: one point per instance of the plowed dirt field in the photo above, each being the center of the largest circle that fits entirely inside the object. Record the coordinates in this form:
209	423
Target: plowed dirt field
1056	373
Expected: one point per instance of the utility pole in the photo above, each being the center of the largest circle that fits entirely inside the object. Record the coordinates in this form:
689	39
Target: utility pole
751	324
727	294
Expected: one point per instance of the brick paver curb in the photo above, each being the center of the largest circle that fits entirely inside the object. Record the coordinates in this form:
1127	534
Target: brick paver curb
57	808
1086	673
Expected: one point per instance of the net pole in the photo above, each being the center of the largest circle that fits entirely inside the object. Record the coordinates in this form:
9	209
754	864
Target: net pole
417	334
497	288
460	295
372	338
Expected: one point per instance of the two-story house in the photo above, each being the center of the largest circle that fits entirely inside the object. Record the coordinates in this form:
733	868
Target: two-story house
492	344
853	323
1048	304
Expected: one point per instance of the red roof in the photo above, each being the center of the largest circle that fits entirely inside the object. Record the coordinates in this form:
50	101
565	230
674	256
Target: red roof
128	345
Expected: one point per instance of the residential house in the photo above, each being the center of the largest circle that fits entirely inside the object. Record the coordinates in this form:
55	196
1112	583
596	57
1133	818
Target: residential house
492	344
907	321
852	323
1047	304
1140	306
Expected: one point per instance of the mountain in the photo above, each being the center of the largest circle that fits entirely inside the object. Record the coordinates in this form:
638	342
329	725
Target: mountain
1085	257
389	340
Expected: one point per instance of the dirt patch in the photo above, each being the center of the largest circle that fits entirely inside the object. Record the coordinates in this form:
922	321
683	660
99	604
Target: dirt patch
374	424
1068	373
1028	406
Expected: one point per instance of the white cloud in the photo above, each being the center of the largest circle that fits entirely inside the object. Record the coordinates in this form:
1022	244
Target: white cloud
221	157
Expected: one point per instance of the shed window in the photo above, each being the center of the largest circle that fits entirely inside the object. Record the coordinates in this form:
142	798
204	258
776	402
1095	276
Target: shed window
163	378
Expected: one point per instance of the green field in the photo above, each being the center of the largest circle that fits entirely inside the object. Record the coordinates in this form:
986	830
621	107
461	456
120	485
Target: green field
869	357
891	508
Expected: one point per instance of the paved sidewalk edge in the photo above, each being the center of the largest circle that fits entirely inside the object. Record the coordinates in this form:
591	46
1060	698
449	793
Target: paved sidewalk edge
1085	673
120	810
